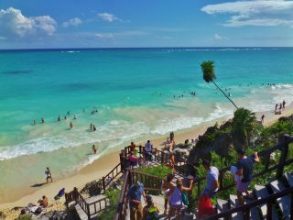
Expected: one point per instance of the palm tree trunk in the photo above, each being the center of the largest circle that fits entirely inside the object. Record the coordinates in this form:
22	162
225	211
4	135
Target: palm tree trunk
225	95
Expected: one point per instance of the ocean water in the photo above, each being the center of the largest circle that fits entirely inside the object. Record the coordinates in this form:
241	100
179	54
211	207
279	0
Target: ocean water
139	93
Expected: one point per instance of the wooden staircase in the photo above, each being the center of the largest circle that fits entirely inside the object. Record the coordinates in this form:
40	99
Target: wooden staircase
279	208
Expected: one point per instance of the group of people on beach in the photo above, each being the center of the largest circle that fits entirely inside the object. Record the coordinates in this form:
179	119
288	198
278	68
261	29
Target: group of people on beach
280	107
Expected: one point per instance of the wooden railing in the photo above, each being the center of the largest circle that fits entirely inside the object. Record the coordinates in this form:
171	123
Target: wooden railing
90	208
282	146
107	180
98	206
123	203
103	184
268	201
158	156
150	182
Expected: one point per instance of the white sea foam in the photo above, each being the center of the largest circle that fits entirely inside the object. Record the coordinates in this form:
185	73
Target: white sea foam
145	122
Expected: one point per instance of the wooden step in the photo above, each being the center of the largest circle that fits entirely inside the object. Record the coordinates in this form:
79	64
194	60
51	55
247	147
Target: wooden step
261	192
289	178
81	214
283	202
234	203
254	212
222	205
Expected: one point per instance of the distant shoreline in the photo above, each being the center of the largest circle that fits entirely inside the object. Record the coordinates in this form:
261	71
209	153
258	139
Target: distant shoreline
134	48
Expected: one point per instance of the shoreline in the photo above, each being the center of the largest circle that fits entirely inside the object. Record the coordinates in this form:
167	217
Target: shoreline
103	165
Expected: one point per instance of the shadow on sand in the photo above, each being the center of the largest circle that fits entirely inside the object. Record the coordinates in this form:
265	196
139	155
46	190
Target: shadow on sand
38	185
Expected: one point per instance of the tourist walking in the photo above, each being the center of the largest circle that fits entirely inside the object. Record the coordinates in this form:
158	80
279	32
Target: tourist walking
245	171
134	195
166	187
178	198
148	151
284	104
132	146
212	179
48	175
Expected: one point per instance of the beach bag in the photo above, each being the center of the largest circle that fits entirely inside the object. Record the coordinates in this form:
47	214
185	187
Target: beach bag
185	199
205	207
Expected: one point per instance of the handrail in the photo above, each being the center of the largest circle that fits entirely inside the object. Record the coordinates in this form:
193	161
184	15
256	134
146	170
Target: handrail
245	208
282	146
111	174
122	204
105	181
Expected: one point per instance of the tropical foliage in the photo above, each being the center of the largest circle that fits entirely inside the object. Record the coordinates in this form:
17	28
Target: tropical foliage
209	75
243	126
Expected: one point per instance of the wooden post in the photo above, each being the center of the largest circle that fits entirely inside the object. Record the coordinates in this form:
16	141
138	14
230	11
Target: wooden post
284	153
269	208
140	149
246	214
88	211
291	208
104	183
221	176
162	157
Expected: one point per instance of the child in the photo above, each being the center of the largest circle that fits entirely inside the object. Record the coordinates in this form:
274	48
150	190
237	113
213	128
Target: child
150	212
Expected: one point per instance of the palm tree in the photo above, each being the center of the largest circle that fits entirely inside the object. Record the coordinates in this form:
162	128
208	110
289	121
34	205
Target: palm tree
243	126
207	68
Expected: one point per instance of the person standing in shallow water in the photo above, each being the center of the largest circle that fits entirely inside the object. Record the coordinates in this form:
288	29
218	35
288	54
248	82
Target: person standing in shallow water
48	175
94	149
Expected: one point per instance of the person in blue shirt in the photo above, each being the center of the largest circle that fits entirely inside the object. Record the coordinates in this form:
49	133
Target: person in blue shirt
136	191
245	172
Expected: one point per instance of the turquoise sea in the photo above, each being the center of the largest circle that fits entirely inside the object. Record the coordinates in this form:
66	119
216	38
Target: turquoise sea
133	91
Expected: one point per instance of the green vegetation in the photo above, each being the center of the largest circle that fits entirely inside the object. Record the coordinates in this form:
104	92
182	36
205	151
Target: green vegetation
244	125
109	213
25	217
209	75
159	171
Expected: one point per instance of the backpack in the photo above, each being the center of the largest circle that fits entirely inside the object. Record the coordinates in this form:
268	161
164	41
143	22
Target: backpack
152	214
185	199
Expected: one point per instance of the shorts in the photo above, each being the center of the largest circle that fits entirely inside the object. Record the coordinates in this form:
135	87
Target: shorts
242	186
